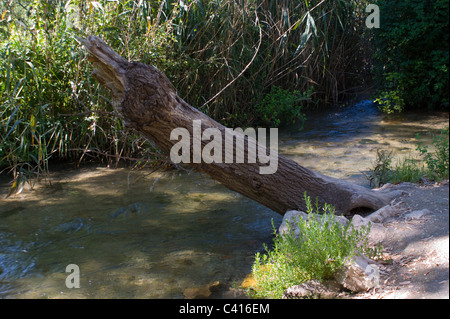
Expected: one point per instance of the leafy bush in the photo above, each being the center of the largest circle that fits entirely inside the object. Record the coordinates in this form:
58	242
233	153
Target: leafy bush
323	247
390	102
281	107
381	173
437	161
412	55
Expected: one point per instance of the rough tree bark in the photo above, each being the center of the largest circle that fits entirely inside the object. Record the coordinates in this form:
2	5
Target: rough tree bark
148	102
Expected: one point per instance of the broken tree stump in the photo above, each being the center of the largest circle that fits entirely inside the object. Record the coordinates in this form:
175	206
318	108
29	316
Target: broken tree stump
147	102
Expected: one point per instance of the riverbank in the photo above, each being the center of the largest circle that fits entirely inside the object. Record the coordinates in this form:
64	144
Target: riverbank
416	250
414	232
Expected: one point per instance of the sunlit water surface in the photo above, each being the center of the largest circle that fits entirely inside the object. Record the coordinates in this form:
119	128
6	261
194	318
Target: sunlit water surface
171	234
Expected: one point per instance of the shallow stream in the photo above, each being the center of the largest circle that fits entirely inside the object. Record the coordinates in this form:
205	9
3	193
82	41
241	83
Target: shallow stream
172	234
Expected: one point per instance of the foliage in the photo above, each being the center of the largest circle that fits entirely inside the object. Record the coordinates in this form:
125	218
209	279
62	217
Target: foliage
434	163
382	172
437	161
50	105
233	53
322	248
390	102
281	107
411	60
407	169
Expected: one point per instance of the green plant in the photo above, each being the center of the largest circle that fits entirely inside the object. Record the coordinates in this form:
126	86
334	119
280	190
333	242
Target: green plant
322	248
407	169
281	107
412	54
437	161
381	172
390	102
50	107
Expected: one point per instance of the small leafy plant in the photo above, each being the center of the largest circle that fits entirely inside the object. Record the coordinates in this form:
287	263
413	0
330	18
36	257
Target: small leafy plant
381	172
390	102
321	249
437	161
281	107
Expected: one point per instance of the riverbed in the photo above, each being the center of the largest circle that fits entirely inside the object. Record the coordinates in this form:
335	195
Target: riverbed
167	234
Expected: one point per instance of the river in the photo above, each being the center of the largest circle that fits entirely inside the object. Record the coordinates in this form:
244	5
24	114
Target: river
172	234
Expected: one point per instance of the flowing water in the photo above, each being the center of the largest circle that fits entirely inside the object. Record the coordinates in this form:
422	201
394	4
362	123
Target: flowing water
171	234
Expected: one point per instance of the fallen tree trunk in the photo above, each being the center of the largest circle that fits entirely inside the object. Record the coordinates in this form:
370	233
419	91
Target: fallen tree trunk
148	102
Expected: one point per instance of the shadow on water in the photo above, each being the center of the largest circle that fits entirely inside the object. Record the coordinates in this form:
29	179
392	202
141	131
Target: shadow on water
129	241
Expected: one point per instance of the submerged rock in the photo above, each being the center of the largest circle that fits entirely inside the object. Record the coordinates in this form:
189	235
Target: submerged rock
128	211
202	292
11	211
312	289
74	226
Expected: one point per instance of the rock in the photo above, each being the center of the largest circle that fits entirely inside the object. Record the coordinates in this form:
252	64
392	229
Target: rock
202	292
248	282
418	214
383	213
197	293
232	293
293	216
385	187
312	289
359	274
129	211
377	231
341	220
75	225
391	189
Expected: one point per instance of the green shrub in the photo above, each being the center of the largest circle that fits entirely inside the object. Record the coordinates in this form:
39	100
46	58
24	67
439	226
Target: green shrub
322	248
406	169
281	107
412	55
50	106
381	173
390	102
437	161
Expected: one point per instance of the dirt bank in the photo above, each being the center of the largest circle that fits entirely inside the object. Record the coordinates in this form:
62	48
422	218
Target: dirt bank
417	247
